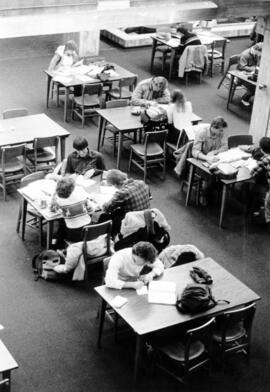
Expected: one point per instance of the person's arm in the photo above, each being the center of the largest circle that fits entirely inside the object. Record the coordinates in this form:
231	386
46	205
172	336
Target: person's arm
197	148
137	97
74	251
243	64
165	98
112	276
257	170
118	199
54	61
157	270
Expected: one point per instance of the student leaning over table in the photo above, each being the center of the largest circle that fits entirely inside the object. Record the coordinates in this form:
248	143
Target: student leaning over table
133	267
151	92
65	56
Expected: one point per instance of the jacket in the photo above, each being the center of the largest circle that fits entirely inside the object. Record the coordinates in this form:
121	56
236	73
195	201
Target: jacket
169	255
181	155
194	58
144	93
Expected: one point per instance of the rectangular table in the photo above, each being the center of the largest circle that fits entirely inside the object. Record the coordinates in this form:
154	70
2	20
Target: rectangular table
206	38
125	122
145	318
241	76
25	129
122	73
197	165
7	363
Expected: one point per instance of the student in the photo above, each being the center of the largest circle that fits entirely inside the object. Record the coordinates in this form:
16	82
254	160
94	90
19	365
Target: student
179	111
187	38
151	92
65	56
264	166
128	267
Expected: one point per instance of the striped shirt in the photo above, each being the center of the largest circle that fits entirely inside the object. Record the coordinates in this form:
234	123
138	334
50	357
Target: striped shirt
263	166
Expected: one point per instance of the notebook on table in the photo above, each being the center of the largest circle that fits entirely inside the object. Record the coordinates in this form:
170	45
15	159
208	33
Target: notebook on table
162	293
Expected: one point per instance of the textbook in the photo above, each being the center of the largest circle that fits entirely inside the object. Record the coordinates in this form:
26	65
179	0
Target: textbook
162	293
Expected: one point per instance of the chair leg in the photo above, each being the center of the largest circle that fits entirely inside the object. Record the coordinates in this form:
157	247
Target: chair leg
130	160
163	61
145	170
19	219
57	98
4	189
103	136
164	168
40	230
114	144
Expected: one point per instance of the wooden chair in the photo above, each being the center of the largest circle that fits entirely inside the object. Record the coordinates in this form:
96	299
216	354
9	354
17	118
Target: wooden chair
185	63
179	357
124	90
216	56
173	142
44	155
35	220
238	140
91	232
233	332
151	153
4	385
13	165
16	112
233	61
84	106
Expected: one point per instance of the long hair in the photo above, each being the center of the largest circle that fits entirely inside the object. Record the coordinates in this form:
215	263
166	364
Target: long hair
71	45
179	99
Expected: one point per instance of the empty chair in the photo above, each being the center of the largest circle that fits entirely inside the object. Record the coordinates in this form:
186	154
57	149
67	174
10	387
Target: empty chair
16	112
151	153
12	166
4	384
124	89
84	106
91	232
181	356
44	155
233	331
216	56
232	63
238	140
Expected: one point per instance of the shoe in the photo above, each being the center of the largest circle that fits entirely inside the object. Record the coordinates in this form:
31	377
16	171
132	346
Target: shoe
245	103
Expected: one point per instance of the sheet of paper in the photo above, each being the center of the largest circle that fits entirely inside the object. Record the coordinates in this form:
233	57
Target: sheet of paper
100	198
234	154
80	180
62	79
162	292
119	301
142	291
85	78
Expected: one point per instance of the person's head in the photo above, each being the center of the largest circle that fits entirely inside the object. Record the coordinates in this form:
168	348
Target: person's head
265	145
182	30
256	49
80	144
71	48
144	252
178	98
65	186
159	83
217	127
116	177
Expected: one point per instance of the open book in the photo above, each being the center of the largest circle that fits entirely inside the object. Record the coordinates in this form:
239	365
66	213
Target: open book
162	293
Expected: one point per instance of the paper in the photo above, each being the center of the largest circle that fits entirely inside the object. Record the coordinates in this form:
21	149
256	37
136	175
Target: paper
162	293
84	182
142	291
62	79
119	301
99	198
85	78
234	154
107	190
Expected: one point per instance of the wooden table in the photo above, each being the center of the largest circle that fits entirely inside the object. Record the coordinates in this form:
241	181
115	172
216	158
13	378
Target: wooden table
198	165
122	73
206	38
145	318
7	363
243	77
26	129
125	122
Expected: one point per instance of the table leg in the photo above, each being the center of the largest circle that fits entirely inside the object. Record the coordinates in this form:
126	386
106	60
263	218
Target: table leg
223	204
230	92
154	45
101	322
49	79
7	374
138	352
49	234
63	148
24	212
173	51
66	103
101	123
190	182
120	144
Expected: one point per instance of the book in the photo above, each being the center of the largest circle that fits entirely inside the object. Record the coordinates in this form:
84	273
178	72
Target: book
162	293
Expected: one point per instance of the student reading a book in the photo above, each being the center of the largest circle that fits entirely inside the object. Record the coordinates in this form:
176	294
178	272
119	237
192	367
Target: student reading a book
133	267
65	56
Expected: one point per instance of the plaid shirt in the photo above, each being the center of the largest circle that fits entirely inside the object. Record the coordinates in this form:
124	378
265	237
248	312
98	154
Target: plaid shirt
263	165
133	196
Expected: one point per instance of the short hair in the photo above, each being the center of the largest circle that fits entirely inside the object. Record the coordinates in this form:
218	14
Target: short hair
160	80
182	30
265	144
179	97
258	46
185	257
218	122
80	143
115	177
145	250
65	186
71	45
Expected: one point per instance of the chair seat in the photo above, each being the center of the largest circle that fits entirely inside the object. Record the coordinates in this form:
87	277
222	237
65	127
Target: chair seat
44	155
111	129
234	333
89	100
176	350
216	54
152	149
163	49
13	166
125	93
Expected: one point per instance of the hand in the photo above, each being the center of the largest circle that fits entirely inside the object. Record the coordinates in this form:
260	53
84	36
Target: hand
89	173
138	284
146	278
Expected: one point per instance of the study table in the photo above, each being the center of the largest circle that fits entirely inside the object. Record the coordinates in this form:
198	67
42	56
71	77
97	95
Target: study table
199	166
25	129
242	76
7	364
206	37
145	318
75	80
125	122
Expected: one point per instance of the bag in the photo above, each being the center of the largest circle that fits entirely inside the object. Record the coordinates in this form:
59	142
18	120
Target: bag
224	171
43	265
103	76
154	119
199	275
196	298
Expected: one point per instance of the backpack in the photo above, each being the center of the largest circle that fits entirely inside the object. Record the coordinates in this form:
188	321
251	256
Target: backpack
196	298
154	119
43	265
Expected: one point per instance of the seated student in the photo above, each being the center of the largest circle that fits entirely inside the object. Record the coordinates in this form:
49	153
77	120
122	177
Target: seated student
65	56
133	267
151	92
179	111
187	38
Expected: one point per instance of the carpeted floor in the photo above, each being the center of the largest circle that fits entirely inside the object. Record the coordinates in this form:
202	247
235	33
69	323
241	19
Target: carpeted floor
51	328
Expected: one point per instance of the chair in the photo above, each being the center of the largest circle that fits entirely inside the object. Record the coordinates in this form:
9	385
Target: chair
233	331
124	90
84	106
151	153
91	232
181	357
12	168
4	385
36	220
44	155
16	112
238	140
216	55
193	59
233	60
174	141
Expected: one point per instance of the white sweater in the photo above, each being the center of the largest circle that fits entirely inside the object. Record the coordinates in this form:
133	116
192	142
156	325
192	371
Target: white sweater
181	119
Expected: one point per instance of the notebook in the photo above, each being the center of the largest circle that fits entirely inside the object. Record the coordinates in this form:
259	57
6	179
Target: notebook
162	293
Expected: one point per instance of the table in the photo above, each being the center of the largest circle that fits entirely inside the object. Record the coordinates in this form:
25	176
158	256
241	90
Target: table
125	122
145	318
242	76
196	164
7	363
206	37
26	129
122	74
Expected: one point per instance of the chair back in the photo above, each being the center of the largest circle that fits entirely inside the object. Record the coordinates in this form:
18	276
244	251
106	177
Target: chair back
10	152
159	137
238	140
16	112
39	175
218	45
4	384
50	141
91	232
233	317
92	89
116	103
233	60
130	82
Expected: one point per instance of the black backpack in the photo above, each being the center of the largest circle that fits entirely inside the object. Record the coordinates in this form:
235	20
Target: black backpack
43	265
